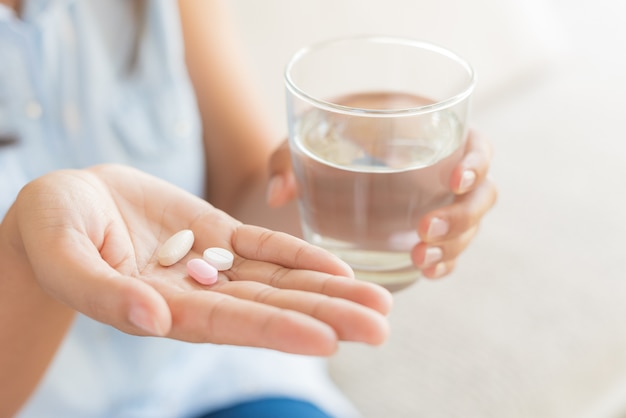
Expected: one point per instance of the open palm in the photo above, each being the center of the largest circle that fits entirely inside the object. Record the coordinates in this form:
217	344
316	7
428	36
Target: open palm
92	237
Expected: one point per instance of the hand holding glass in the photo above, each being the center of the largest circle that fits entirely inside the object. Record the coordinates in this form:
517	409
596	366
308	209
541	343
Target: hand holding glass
376	126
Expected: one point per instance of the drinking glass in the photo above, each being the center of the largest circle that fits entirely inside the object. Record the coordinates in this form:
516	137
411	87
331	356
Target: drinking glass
376	125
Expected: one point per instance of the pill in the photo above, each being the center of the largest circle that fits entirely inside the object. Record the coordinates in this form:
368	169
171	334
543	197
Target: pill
201	271
176	247
220	258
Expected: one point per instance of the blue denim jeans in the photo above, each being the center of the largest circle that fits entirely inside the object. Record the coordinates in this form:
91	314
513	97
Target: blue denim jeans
270	408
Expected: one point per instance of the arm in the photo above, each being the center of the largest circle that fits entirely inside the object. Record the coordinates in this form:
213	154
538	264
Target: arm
238	138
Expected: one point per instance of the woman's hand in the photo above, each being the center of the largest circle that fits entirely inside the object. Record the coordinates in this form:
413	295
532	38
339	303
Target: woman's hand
92	236
444	232
447	231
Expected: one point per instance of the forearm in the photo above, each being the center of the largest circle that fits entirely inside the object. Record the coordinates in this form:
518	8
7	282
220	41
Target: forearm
238	136
32	324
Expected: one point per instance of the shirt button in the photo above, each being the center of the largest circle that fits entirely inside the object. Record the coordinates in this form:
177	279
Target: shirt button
33	110
182	128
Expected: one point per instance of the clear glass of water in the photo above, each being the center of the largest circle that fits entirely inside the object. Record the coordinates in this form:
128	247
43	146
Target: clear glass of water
376	125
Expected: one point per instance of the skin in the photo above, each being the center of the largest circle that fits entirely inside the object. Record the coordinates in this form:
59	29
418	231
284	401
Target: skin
86	241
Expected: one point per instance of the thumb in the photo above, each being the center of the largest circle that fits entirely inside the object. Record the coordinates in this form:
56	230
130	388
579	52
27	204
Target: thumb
84	281
282	183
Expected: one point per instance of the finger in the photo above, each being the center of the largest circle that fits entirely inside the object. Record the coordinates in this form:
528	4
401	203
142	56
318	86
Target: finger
261	244
280	160
351	321
473	168
425	255
282	183
439	270
224	319
358	291
462	215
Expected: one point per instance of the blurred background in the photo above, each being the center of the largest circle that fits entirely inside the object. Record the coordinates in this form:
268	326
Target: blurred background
533	321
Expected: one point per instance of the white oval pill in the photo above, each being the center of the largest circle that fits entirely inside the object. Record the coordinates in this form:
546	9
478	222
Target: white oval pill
201	271
176	247
220	258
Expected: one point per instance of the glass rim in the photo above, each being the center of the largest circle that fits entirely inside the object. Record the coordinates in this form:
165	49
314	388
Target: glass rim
381	39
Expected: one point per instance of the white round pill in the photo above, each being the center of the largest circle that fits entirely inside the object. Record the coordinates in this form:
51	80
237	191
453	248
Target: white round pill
219	258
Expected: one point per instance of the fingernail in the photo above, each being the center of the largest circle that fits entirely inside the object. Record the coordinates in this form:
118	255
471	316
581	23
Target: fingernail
140	318
437	228
274	185
432	255
440	270
467	180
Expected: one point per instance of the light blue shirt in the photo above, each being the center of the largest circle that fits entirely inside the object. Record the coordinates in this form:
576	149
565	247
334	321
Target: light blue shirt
70	98
76	89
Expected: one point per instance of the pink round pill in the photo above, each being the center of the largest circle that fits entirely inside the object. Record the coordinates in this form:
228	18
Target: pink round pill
201	271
